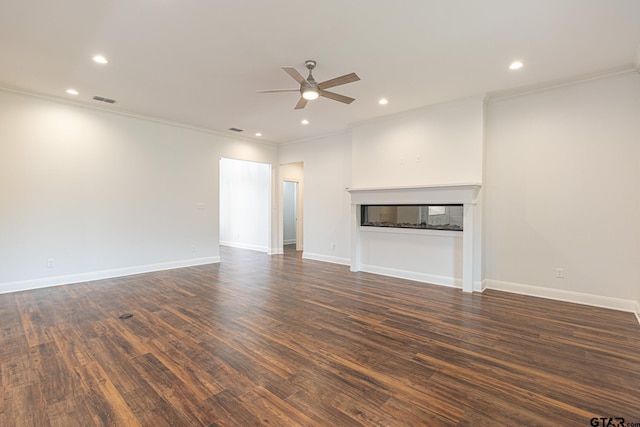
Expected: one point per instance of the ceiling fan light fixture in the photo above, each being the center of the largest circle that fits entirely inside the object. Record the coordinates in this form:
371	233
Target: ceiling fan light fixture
309	89
100	59
310	94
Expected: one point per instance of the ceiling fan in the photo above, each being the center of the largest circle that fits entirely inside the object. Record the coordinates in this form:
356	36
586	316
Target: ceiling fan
310	89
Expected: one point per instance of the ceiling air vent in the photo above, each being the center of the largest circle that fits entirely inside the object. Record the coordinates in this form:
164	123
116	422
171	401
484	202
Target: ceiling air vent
103	99
235	129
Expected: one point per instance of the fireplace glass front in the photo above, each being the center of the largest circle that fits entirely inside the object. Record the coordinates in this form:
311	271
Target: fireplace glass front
426	217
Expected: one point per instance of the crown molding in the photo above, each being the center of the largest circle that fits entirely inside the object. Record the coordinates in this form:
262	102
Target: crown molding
558	83
345	131
129	114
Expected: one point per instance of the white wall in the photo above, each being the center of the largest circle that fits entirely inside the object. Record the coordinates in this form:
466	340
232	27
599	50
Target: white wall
327	172
104	194
440	144
561	188
245	196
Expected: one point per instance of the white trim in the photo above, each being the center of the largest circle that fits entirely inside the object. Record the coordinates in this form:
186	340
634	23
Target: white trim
313	138
125	113
415	231
46	282
326	258
637	310
245	246
455	186
289	241
405	113
276	251
560	295
624	70
412	275
416	194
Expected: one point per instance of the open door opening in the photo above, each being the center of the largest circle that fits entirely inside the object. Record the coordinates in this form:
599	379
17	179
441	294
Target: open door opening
290	214
292	225
245	204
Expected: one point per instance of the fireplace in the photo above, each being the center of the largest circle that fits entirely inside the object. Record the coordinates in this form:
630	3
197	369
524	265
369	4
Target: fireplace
420	217
437	214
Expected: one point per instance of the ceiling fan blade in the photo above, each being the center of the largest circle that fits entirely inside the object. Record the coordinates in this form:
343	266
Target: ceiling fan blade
336	97
347	78
277	90
296	75
301	104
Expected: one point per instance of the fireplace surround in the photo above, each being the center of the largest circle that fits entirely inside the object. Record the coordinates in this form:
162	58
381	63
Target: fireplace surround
464	195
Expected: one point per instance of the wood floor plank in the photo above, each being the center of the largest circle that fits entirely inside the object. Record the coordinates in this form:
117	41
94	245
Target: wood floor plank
24	406
274	411
262	340
71	412
174	391
107	405
17	370
35	328
71	345
200	381
54	378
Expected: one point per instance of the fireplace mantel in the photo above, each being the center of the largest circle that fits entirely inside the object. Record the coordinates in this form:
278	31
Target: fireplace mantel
445	193
465	194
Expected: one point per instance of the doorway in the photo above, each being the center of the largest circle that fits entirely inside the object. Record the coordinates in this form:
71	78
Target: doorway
245	204
292	202
289	213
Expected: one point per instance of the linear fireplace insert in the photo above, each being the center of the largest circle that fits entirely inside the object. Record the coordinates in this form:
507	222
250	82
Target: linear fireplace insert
425	217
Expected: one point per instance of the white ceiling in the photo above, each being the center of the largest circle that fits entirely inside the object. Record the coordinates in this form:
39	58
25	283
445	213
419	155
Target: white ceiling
200	62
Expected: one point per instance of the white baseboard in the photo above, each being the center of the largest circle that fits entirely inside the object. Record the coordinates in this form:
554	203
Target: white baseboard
46	282
276	251
567	296
637	310
289	241
326	258
245	246
412	275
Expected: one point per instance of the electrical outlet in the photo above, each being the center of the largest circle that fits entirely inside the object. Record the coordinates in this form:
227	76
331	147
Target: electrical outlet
402	160
50	263
333	246
417	158
559	273
193	248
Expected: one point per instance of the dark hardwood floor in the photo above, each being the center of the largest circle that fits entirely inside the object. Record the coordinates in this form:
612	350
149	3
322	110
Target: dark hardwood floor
277	340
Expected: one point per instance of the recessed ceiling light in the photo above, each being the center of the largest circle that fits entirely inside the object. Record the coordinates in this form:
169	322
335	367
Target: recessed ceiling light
100	59
383	101
72	91
516	65
305	122
258	134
